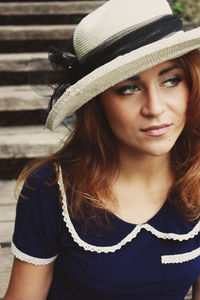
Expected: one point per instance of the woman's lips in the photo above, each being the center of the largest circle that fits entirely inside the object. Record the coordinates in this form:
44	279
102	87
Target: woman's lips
157	130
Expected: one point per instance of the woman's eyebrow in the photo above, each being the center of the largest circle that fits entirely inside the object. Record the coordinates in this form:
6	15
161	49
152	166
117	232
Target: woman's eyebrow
135	78
168	69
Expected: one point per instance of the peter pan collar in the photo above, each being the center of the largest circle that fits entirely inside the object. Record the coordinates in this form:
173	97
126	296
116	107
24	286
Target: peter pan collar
173	228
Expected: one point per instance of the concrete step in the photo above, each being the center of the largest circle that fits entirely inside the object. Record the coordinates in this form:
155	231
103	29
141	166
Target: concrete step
7	201
189	295
36	32
48	8
18	62
30	141
6	231
7	213
21	97
7	210
7	192
6	260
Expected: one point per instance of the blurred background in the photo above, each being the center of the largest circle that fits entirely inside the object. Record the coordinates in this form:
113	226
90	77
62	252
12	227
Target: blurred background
27	30
189	9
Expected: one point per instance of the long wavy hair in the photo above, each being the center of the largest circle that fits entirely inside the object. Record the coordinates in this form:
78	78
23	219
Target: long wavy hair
90	159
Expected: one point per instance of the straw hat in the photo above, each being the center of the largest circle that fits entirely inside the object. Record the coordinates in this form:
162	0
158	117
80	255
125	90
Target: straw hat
117	41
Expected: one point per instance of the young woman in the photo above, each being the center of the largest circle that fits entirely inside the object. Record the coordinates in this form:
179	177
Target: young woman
114	214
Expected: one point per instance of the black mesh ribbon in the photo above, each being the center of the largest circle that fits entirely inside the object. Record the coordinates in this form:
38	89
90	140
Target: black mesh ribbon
51	77
126	42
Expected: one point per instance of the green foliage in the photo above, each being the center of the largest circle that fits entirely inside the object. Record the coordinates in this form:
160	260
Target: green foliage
189	9
177	8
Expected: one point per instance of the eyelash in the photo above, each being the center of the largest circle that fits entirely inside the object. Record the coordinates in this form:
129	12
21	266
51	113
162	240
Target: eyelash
175	79
121	91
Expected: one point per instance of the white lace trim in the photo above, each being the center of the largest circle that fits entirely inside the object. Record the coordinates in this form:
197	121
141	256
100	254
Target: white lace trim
30	259
128	238
173	236
180	258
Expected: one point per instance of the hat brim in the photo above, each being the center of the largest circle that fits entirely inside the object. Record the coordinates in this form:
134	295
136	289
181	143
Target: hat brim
120	69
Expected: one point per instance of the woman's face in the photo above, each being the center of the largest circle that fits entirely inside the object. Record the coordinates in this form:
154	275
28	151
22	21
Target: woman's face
147	112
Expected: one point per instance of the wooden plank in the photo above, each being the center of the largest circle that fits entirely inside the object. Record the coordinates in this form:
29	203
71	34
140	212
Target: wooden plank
6	231
36	32
7	192
49	8
189	295
22	97
6	260
7	201
18	62
30	141
7	212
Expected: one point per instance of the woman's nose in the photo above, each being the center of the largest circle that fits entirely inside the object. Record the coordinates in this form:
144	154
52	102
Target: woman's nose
154	104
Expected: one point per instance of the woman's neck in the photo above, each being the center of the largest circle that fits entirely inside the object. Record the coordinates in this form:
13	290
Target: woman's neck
142	186
142	168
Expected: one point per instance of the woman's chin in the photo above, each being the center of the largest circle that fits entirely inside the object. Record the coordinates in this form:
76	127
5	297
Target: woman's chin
159	150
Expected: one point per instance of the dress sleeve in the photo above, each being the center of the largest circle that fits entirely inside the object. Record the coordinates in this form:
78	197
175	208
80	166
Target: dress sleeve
36	237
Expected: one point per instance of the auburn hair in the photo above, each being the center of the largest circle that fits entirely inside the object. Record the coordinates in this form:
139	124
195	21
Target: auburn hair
185	192
90	159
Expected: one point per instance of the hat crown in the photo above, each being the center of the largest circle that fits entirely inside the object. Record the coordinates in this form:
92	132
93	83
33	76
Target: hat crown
113	17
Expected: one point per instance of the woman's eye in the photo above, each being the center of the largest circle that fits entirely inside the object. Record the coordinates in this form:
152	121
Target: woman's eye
126	90
173	81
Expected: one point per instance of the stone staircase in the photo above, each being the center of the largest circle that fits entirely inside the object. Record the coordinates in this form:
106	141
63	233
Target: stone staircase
27	29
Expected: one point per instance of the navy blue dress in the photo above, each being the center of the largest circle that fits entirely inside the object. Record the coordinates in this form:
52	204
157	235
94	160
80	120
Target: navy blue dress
156	260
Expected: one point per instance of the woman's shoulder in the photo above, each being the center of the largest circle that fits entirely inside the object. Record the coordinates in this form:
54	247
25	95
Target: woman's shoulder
44	172
40	186
38	222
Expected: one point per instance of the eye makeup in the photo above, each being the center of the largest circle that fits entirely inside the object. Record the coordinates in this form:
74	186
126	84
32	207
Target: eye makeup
127	89
131	88
173	81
